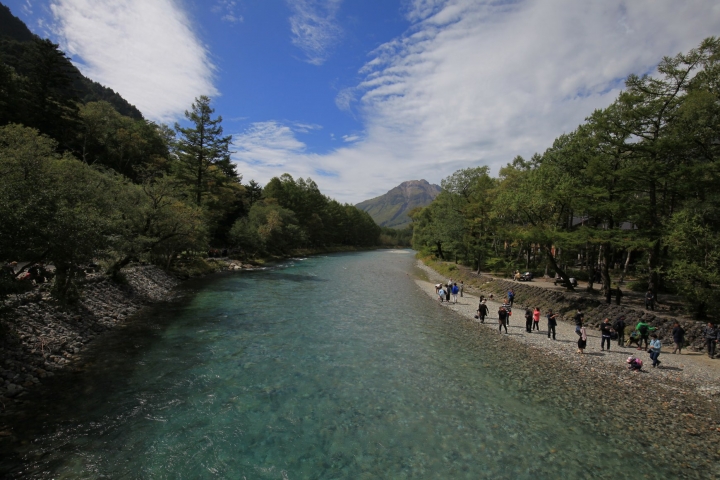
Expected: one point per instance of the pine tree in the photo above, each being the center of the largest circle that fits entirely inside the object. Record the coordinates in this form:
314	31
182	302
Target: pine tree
203	151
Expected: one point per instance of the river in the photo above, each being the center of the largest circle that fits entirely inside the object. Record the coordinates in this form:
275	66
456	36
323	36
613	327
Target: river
326	367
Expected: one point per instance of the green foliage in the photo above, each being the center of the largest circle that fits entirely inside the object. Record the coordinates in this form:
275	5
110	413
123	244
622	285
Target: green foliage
203	152
638	180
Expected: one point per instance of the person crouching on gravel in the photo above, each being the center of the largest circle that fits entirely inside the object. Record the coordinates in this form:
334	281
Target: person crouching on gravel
634	364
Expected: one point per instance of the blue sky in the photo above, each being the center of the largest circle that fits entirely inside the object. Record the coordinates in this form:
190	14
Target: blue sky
361	95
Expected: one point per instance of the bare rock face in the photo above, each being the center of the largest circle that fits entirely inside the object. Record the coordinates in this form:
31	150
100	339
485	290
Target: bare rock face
390	210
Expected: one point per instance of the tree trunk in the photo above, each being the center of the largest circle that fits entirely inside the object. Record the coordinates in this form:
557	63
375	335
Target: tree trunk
625	267
605	269
561	272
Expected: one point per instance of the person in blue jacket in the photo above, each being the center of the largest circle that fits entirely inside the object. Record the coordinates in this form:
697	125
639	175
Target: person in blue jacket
655	346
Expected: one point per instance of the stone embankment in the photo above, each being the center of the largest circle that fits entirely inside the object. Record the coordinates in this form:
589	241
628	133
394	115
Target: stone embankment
528	294
40	337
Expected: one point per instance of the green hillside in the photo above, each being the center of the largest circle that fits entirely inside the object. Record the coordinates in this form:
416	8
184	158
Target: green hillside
390	210
29	64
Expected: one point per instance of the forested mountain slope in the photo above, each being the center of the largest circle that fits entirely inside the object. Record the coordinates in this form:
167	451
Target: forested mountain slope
391	209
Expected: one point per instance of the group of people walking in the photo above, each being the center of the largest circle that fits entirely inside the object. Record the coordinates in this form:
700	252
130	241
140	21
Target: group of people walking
450	289
643	336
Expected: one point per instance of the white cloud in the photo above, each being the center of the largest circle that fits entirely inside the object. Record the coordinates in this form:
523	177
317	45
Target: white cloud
477	83
315	29
145	50
351	138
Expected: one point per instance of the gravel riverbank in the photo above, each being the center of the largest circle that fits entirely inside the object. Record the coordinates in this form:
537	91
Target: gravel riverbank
689	371
671	413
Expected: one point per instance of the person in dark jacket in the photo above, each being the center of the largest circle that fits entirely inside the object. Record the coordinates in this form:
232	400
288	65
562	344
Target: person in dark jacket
483	311
605	332
579	317
619	327
528	320
552	323
649	300
502	319
678	334
711	338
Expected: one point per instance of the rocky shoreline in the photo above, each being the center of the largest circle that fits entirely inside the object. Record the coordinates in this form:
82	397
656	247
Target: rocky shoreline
42	337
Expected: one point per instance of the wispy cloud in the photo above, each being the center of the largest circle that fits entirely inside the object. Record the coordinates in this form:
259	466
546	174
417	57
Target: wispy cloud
314	27
478	82
228	11
350	138
27	8
345	98
145	50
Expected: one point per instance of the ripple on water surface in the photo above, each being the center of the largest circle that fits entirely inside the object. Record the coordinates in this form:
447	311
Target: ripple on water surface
329	367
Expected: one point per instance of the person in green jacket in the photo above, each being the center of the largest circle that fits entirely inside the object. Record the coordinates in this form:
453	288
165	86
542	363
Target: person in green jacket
644	329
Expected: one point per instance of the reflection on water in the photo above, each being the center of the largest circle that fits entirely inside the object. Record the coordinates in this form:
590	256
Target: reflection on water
333	367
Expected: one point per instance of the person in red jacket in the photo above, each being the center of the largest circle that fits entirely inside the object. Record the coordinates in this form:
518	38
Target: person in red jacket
536	319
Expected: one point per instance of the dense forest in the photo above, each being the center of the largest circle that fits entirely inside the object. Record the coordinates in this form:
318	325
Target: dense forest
84	178
637	184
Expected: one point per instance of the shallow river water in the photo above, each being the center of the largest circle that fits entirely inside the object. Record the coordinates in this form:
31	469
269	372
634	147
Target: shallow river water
325	367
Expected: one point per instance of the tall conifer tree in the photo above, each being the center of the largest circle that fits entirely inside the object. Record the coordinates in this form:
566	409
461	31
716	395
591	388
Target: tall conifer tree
203	151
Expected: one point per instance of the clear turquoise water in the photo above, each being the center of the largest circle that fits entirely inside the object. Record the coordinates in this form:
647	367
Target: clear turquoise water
326	367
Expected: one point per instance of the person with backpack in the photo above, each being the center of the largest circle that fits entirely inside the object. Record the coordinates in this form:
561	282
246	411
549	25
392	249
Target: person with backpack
552	323
678	334
511	297
619	327
528	320
502	319
605	332
536	319
644	329
483	311
455	291
711	335
634	338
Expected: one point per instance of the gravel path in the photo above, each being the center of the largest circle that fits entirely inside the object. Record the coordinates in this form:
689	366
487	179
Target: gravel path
689	371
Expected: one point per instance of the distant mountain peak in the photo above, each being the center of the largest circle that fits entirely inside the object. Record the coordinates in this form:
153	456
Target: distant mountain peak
391	209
